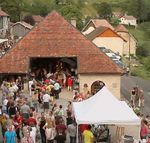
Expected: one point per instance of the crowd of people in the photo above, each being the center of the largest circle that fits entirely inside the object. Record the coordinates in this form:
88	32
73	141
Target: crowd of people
30	117
24	115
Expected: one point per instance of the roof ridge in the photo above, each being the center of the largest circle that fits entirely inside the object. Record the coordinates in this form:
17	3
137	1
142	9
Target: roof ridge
56	37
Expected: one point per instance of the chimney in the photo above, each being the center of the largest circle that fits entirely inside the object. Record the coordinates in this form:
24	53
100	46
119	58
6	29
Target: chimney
73	22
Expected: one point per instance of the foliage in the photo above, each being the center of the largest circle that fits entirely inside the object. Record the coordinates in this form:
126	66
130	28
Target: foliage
141	33
142	50
29	19
13	8
40	7
145	26
141	71
104	10
137	8
72	12
146	63
115	21
144	69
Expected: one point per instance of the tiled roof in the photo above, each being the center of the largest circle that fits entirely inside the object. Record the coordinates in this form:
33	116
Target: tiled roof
102	22
55	37
24	24
128	17
2	13
121	28
37	18
98	31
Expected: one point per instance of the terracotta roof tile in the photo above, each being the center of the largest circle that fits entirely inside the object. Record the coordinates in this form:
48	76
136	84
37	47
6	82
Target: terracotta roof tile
121	28
102	22
98	31
37	18
55	37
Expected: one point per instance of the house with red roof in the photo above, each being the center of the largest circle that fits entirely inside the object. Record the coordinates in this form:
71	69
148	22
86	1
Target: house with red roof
131	44
55	38
108	38
4	23
95	23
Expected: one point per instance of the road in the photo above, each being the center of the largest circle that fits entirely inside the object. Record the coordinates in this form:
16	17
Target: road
127	82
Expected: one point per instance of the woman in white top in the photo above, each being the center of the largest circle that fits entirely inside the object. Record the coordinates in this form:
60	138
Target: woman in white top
33	133
49	131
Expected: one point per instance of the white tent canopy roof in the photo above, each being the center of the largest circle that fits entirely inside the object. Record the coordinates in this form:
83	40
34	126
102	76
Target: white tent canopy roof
104	108
3	40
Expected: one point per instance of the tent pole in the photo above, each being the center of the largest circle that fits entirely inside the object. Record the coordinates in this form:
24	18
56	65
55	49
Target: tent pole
77	137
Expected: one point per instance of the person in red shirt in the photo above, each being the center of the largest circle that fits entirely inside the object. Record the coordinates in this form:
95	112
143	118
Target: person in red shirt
144	129
69	83
61	132
31	120
83	127
17	121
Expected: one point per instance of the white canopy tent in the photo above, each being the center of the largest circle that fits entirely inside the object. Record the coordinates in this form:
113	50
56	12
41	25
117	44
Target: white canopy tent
3	40
104	108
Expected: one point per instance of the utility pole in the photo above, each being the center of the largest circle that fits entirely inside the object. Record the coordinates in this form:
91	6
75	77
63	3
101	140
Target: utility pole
129	50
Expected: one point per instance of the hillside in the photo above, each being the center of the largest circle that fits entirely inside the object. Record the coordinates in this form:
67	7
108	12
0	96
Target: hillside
142	34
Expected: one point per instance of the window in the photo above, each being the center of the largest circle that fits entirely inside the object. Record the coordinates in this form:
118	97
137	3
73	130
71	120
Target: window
96	86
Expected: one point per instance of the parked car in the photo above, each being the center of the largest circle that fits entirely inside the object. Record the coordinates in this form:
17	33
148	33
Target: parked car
120	64
103	49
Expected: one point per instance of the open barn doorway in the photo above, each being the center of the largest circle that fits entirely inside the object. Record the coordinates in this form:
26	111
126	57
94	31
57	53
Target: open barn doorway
58	68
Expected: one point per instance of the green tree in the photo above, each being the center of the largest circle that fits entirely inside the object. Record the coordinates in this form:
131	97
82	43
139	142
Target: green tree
13	8
41	7
137	8
72	12
142	50
104	10
29	19
147	65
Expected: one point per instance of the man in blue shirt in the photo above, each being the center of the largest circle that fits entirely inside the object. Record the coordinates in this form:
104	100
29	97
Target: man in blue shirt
10	135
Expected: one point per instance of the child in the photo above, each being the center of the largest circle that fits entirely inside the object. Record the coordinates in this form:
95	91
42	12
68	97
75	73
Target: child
69	82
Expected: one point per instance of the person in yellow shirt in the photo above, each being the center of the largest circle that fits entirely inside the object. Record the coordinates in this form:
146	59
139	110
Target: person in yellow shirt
49	87
88	136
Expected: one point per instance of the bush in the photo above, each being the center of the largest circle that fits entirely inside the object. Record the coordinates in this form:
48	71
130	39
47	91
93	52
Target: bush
141	72
142	50
147	63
